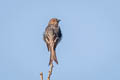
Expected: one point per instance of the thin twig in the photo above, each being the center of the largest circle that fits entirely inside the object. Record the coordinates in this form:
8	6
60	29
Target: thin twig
50	72
41	75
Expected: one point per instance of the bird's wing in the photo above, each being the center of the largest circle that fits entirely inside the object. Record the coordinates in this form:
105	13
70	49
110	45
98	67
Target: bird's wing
46	39
57	37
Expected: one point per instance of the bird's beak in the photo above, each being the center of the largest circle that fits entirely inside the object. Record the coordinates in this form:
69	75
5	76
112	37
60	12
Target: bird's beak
58	20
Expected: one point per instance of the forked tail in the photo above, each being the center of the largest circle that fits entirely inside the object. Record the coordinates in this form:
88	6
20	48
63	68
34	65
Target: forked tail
52	56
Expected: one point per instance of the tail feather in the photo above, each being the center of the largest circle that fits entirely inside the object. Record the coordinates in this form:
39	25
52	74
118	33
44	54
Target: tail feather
53	56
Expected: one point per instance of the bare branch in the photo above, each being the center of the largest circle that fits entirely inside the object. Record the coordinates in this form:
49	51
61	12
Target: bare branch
41	75
50	72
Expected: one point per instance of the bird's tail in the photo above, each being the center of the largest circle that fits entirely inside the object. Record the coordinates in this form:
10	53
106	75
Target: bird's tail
52	56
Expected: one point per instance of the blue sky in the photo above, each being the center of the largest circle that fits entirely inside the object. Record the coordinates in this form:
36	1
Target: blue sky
89	50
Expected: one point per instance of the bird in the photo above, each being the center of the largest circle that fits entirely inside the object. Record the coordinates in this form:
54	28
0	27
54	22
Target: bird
52	36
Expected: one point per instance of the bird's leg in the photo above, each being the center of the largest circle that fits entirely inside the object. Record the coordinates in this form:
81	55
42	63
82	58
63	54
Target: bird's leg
47	41
55	39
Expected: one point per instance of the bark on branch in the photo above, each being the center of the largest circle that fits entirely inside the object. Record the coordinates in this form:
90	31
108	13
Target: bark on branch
49	73
41	75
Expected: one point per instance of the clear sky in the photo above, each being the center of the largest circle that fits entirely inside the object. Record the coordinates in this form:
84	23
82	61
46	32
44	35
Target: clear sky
89	50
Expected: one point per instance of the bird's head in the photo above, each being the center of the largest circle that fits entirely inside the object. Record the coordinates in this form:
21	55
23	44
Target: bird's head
54	21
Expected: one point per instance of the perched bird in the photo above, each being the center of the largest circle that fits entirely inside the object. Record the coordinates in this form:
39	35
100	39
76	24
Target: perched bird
52	37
